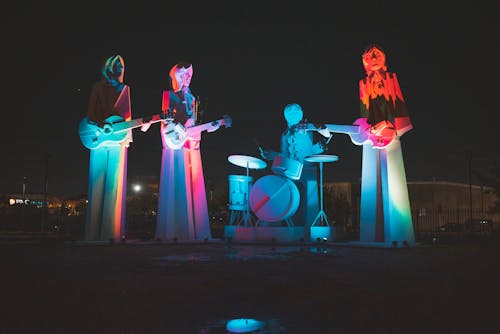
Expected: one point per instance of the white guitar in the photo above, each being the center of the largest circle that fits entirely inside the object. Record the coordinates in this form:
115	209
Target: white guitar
176	134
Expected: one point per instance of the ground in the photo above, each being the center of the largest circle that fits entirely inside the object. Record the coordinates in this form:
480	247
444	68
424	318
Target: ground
149	287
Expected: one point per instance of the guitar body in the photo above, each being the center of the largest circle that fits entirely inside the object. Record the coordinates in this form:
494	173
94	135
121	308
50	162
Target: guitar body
93	136
114	131
176	135
384	135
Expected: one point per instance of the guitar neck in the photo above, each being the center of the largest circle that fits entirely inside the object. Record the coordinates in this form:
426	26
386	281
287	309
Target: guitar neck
346	129
205	126
135	123
335	128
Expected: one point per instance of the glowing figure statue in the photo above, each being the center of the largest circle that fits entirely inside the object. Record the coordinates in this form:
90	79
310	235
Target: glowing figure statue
182	202
385	205
296	144
109	100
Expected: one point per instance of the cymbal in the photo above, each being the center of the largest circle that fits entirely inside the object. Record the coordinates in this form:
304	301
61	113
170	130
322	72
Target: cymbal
321	158
247	161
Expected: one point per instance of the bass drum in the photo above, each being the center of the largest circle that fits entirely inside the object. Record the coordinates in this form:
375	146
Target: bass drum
274	198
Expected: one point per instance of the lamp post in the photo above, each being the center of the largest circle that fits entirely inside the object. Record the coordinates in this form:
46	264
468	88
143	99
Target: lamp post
25	181
45	188
482	201
137	188
470	186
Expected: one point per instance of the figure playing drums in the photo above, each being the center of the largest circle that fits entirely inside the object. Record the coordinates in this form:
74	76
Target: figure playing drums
296	144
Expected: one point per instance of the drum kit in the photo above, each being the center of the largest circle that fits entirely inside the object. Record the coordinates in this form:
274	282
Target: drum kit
274	197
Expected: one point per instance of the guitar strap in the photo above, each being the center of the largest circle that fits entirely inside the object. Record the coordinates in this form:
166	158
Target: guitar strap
122	105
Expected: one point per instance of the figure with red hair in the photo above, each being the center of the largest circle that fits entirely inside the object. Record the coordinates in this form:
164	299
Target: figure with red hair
182	203
385	205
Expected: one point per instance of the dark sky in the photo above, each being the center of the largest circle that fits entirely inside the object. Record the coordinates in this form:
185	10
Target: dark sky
249	62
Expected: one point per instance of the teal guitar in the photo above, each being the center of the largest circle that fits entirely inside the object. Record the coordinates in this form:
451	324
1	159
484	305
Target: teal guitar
113	131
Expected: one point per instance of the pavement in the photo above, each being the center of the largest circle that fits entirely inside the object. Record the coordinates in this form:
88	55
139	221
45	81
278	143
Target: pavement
151	287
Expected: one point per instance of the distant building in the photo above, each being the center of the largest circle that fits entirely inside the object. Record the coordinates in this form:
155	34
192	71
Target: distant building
32	200
433	203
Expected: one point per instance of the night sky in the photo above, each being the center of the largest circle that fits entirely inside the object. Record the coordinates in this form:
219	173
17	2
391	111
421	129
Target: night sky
249	62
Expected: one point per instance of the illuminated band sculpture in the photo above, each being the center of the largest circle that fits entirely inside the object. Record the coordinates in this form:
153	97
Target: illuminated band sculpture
182	203
109	103
385	206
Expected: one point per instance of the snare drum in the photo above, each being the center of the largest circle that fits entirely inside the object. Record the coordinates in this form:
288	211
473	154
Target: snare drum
274	198
287	167
238	191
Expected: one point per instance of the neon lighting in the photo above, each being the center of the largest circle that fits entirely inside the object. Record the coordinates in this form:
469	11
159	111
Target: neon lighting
180	76
385	206
295	201
244	325
121	196
105	217
182	202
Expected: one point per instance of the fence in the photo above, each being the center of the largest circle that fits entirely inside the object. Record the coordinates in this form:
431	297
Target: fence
453	222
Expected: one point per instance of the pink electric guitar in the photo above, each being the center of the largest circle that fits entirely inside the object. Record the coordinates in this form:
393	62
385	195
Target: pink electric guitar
380	136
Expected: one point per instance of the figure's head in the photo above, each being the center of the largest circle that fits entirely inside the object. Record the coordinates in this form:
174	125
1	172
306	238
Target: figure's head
293	114
180	75
374	58
113	70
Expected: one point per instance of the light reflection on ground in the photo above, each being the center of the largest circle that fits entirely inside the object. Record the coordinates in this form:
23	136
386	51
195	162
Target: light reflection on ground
270	326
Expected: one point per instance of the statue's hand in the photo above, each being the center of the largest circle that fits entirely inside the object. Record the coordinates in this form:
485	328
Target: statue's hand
382	127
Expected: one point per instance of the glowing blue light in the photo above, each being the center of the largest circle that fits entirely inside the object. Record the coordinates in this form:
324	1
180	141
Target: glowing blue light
244	325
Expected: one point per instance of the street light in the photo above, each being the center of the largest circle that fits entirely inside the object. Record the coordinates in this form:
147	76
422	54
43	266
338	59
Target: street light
137	188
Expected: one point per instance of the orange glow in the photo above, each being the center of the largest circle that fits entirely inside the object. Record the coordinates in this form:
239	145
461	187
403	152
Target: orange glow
378	84
180	77
378	81
120	189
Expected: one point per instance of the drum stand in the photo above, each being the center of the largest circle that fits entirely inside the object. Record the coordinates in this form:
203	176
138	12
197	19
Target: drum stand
247	162
247	218
321	217
243	217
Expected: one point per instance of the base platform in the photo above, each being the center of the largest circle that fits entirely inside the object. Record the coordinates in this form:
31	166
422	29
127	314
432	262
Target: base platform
278	234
